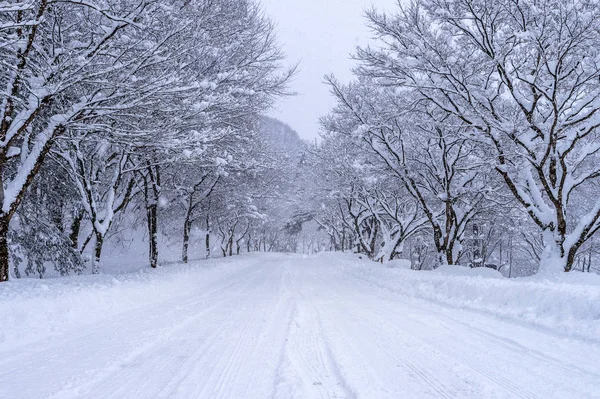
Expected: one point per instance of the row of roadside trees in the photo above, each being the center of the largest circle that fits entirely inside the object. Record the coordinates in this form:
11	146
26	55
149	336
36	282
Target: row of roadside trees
470	134
130	114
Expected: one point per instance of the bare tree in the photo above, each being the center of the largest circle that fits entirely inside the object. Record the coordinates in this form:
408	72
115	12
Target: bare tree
60	70
523	78
424	149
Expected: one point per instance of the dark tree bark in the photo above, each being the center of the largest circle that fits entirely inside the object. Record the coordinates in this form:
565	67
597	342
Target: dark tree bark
207	244
4	255
151	179
76	228
187	226
151	214
86	242
230	244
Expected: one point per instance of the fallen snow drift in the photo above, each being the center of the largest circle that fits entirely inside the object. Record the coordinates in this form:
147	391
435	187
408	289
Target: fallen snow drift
568	304
33	309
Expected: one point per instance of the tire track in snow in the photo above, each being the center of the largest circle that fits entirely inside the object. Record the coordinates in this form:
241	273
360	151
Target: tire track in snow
332	363
192	376
352	305
439	388
236	357
123	317
75	387
307	356
311	360
464	359
349	337
514	349
485	340
570	368
461	356
227	365
171	358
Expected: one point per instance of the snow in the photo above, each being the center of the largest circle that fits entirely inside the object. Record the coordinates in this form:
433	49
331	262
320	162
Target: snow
466	271
567	304
293	326
57	305
399	264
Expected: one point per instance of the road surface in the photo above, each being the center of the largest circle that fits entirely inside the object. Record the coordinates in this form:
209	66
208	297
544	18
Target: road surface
287	326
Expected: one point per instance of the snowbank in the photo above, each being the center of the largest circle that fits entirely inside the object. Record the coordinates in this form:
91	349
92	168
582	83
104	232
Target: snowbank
398	264
568	304
33	309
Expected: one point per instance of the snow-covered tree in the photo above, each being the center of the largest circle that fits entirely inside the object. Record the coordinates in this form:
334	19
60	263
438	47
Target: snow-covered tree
425	149
99	172
64	64
522	77
125	89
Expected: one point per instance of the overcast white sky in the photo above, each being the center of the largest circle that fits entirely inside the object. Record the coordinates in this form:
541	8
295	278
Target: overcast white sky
321	35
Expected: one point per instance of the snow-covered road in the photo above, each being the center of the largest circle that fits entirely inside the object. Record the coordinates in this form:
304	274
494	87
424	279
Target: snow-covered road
287	326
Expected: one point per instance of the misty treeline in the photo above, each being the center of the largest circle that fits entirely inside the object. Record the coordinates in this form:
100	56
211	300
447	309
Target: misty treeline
470	134
133	114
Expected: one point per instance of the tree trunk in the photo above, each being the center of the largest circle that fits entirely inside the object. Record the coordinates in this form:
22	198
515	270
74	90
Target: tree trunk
207	245
207	235
510	257
445	257
152	211
75	229
97	254
449	256
5	217
187	225
186	242
238	243
17	272
373	241
4	254
152	196
86	242
550	263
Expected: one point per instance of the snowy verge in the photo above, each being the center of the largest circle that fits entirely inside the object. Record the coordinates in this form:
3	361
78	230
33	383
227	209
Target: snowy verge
568	305
32	310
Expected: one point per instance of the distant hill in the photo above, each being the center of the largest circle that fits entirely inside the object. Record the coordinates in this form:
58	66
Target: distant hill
280	135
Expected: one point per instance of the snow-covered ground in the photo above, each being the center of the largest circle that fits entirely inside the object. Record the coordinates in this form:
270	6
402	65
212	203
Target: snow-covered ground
291	326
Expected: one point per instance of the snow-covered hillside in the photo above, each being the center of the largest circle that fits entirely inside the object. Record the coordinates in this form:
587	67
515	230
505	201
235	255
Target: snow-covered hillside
293	326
